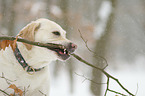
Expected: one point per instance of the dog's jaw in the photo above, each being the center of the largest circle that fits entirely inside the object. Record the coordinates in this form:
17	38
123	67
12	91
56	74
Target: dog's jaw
64	53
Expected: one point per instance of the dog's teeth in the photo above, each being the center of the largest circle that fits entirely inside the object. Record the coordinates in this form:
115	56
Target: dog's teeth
64	51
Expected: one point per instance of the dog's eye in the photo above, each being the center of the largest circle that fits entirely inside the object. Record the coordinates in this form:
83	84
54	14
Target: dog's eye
56	33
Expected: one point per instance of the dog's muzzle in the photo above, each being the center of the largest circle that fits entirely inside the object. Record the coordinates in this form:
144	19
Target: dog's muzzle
64	53
71	47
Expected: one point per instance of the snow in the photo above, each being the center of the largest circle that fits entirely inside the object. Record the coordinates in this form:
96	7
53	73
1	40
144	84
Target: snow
132	80
131	77
61	86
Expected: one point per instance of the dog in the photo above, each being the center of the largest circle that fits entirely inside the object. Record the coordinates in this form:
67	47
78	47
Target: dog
24	68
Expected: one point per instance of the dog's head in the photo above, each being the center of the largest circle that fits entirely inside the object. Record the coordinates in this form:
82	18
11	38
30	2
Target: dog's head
46	31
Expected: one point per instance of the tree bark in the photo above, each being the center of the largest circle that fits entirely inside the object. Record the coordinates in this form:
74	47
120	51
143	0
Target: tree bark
11	23
8	16
101	48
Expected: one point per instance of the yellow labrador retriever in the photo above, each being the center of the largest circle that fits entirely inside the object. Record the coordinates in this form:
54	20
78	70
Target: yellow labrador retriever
24	70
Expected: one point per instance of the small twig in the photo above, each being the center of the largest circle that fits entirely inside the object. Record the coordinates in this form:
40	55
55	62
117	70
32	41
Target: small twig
107	86
7	80
116	92
26	90
42	93
88	79
86	44
4	92
136	90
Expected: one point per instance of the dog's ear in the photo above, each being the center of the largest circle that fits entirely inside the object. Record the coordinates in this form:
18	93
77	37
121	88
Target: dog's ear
28	33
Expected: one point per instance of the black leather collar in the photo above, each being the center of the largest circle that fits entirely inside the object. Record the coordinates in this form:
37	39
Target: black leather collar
23	63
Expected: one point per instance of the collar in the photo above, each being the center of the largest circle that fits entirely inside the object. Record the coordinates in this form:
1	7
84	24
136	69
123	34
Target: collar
23	63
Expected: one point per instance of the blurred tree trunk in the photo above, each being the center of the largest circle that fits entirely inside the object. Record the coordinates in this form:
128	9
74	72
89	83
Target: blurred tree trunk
101	49
8	16
11	23
3	11
4	14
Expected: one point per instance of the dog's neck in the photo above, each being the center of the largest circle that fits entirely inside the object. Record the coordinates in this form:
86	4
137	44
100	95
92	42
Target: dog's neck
36	57
22	61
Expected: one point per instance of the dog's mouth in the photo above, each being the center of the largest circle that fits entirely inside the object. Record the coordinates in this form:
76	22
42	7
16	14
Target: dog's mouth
62	53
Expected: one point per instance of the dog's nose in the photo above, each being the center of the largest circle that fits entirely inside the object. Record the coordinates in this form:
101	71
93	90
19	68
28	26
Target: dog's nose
71	47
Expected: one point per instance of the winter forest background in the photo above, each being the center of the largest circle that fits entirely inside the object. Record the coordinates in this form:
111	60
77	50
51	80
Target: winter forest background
113	29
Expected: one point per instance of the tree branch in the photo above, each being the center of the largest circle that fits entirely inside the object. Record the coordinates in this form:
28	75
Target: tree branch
48	45
116	92
51	45
107	86
103	71
5	92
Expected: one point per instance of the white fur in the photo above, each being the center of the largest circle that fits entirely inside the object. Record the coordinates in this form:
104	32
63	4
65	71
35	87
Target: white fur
37	57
